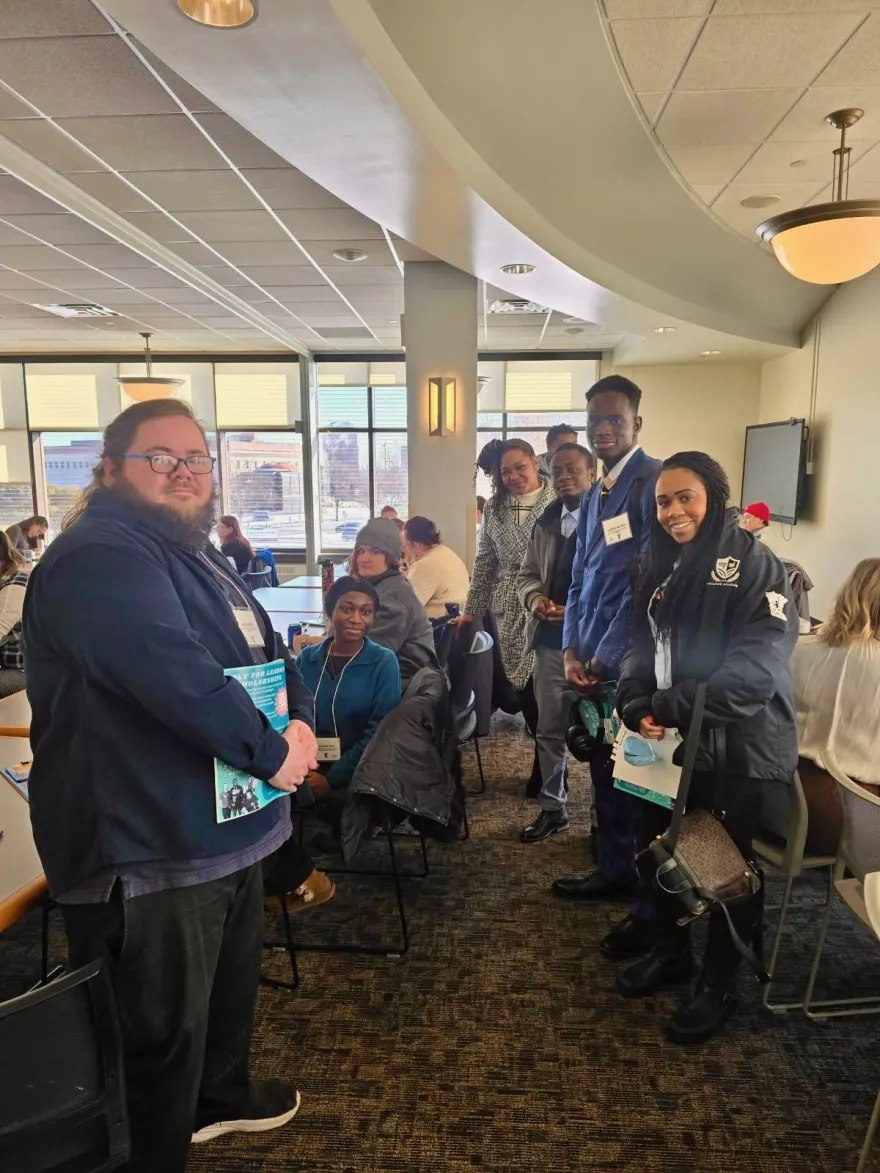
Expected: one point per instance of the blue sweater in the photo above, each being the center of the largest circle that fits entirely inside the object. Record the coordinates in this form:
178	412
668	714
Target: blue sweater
127	636
365	693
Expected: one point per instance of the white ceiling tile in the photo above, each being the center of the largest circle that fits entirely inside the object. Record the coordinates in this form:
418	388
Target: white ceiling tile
104	186
858	62
58	18
275	276
57	229
107	256
707	192
860	190
365	273
48	144
300	293
17	199
20	281
149	142
195	191
30	257
654	9
751	52
761	7
867	169
378	255
653	51
183	294
247	253
11	107
159	226
745	220
723	116
772	162
242	147
709	163
334	224
285	187
75	278
194	101
81	76
152	278
199	254
215	227
806	122
650	103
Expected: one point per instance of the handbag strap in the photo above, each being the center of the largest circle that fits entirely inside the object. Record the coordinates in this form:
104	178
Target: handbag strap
691	745
745	951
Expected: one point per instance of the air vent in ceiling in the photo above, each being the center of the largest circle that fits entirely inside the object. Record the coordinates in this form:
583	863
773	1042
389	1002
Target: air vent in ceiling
516	305
79	310
343	332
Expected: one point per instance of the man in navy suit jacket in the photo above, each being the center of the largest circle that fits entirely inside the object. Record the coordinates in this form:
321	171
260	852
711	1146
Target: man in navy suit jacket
614	528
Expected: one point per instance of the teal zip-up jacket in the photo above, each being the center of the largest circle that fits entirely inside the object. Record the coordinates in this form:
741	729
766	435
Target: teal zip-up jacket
368	690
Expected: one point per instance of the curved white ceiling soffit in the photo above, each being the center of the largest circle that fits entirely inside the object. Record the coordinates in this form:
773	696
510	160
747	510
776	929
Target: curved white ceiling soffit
487	133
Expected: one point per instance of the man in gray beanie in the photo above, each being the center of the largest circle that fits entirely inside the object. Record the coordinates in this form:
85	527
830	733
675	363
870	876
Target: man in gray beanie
401	623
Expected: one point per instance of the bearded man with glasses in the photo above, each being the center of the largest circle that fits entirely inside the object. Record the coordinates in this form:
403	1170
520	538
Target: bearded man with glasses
130	620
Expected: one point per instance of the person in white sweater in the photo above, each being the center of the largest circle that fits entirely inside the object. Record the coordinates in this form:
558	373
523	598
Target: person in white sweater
837	681
435	572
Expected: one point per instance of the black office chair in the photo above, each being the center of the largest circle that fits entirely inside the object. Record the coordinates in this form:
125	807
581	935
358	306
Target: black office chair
464	716
62	1108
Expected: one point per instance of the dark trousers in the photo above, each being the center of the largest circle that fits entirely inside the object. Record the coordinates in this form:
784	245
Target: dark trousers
617	816
740	799
185	964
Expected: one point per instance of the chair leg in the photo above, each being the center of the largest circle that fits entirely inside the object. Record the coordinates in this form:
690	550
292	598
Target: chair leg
482	789
869	1137
464	818
778	1007
398	892
44	944
424	847
277	983
818	1010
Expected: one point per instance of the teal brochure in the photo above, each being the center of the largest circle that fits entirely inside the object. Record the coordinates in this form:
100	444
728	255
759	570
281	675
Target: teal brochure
236	793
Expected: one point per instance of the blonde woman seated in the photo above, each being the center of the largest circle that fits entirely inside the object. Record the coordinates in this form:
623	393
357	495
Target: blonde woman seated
436	574
837	682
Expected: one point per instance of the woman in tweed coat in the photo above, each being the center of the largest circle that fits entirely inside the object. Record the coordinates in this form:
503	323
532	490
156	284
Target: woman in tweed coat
519	498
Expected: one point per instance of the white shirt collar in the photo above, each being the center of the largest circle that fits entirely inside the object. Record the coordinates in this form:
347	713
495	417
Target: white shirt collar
613	474
566	512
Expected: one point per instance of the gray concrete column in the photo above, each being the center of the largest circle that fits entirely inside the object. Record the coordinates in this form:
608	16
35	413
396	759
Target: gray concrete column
440	338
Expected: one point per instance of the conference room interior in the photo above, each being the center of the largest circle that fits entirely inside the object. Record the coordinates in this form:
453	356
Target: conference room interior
361	241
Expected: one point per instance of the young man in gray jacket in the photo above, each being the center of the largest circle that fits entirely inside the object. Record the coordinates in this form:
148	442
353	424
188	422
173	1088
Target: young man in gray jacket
542	585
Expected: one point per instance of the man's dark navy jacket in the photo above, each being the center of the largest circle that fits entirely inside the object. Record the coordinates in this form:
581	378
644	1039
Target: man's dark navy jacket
127	636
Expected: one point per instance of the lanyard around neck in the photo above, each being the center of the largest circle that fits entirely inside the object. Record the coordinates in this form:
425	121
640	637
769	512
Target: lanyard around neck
338	682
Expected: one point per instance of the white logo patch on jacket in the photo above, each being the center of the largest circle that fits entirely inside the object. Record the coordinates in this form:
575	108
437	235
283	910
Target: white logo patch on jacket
726	572
776	603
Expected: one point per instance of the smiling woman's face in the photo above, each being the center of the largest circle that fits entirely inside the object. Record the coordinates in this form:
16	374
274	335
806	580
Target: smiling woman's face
681	503
519	472
370	562
352	616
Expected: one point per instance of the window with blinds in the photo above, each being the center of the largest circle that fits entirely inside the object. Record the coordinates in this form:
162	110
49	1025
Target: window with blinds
537	391
252	400
62	401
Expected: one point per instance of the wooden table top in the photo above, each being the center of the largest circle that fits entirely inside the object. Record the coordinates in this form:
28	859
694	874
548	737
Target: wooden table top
21	873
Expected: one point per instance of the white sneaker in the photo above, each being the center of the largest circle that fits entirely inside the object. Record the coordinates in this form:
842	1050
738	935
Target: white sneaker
271	1104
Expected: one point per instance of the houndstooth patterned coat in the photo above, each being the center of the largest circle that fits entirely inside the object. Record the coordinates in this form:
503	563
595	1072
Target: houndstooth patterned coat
503	544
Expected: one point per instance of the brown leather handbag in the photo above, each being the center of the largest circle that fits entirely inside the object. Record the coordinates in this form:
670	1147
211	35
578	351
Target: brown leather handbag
696	859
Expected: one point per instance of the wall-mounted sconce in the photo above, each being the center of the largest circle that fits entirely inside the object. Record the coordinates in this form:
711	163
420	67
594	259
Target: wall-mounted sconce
441	406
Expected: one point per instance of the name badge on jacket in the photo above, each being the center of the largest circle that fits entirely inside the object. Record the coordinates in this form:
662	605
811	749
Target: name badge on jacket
329	749
248	626
617	529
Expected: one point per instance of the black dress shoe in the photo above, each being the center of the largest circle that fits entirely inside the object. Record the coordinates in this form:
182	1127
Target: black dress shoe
632	937
705	1013
546	824
592	886
657	969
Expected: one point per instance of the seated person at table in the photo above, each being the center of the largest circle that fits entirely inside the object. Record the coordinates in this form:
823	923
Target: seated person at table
435	572
401	623
836	681
13	581
233	543
355	683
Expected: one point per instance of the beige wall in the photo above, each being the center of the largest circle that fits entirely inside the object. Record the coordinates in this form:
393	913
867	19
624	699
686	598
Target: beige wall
704	406
842	522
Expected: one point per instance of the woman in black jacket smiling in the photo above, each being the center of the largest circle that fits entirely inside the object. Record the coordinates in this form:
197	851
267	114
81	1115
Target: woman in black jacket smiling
713	605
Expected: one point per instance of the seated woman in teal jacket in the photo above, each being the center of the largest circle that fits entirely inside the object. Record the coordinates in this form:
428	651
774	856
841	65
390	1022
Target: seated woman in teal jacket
355	683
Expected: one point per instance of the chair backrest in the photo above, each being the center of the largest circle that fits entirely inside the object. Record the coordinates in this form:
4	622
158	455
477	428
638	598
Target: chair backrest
482	642
860	843
789	856
63	1102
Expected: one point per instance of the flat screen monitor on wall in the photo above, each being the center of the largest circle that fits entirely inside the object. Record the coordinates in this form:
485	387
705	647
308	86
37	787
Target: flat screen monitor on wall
773	468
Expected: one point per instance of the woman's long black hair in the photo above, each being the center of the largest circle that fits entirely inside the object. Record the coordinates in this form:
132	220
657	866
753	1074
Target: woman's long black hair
489	462
687	580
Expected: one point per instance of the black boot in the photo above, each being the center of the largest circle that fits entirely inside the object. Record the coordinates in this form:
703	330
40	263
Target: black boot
703	1014
632	937
664	966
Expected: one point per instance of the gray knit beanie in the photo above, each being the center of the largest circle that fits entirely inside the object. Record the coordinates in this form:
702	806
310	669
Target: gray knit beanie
383	535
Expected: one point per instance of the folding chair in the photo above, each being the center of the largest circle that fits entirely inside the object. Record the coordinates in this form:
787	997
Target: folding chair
859	854
790	859
63	1103
465	691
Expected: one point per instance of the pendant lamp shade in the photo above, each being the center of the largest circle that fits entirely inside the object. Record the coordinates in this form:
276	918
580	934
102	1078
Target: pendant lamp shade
220	14
148	386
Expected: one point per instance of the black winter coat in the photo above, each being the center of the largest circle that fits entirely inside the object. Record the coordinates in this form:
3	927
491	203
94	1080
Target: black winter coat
740	645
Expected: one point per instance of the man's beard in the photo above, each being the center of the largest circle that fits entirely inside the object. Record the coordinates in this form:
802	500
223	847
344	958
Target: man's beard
191	531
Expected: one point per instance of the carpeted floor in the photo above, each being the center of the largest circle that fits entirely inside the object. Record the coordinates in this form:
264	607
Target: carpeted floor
498	1042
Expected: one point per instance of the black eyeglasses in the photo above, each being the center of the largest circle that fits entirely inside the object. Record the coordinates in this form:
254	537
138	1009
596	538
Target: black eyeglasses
161	462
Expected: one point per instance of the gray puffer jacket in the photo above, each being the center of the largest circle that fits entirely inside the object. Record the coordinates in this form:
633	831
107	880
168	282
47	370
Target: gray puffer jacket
402	625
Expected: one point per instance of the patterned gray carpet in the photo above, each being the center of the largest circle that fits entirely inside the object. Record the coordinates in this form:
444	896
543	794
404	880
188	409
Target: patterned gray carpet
498	1042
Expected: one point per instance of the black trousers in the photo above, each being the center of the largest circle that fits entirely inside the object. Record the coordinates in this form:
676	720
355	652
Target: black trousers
740	799
185	964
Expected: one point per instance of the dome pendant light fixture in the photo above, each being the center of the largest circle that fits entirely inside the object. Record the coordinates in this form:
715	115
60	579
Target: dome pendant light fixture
149	386
830	243
220	14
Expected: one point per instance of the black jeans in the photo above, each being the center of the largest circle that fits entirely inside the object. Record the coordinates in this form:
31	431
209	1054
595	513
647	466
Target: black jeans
185	964
740	799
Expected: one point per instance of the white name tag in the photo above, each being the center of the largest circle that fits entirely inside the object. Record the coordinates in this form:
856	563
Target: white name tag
329	749
248	626
617	529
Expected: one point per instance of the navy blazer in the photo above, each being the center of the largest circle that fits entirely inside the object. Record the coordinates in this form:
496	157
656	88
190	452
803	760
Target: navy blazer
597	610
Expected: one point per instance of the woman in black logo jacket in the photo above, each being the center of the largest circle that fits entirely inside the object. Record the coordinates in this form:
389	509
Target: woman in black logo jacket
710	604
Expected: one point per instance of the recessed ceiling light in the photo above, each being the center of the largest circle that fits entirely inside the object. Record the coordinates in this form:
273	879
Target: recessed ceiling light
574	330
517	270
759	201
709	353
665	329
350	255
220	14
798	163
